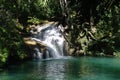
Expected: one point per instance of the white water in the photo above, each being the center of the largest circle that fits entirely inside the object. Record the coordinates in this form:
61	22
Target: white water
52	37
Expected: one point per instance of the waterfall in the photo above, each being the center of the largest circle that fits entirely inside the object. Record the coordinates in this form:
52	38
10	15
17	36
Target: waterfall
50	35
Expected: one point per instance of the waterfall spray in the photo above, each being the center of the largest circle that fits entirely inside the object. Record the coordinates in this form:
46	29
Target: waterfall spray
50	35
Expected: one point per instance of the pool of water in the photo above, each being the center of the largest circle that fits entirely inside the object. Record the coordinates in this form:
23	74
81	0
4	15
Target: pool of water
82	68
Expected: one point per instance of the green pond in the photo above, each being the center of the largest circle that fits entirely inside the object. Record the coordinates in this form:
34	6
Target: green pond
68	68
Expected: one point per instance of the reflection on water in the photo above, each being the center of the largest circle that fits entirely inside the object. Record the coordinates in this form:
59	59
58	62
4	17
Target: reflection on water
83	68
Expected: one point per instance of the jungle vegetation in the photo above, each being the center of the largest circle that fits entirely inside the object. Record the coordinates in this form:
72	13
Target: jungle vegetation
92	26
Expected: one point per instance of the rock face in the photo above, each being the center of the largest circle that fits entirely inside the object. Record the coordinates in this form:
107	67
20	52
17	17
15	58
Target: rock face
32	44
47	41
29	42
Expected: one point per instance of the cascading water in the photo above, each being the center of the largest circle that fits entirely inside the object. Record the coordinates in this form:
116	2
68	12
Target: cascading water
51	36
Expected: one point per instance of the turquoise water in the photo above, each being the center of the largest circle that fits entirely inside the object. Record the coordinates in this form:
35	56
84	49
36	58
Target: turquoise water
83	68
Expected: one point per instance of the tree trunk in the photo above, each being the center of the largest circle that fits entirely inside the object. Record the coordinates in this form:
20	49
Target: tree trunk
65	12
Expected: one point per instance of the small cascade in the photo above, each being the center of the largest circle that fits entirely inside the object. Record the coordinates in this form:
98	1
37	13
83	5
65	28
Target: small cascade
51	36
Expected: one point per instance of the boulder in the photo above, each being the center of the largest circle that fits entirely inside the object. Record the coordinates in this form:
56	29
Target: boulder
32	44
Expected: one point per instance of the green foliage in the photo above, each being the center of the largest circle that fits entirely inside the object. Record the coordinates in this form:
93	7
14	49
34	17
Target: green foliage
15	14
97	22
11	42
85	16
3	55
33	20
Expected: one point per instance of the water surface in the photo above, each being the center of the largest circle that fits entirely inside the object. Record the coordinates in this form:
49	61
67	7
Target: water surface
83	68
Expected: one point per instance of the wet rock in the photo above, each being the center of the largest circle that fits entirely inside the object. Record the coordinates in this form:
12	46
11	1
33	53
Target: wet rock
32	44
